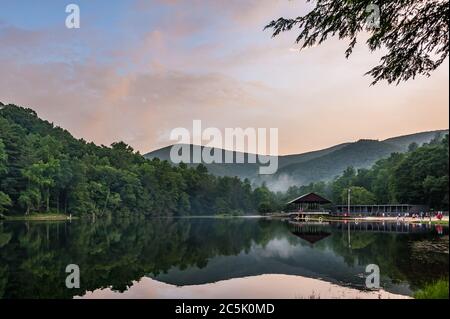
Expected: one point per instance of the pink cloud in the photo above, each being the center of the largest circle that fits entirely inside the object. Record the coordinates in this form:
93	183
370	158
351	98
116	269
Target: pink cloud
238	78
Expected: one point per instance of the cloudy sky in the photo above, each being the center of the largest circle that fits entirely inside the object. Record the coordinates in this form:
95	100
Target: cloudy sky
137	69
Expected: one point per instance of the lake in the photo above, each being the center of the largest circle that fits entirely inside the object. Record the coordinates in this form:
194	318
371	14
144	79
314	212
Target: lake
218	258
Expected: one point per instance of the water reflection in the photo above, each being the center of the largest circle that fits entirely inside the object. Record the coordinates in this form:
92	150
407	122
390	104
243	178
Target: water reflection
117	254
256	287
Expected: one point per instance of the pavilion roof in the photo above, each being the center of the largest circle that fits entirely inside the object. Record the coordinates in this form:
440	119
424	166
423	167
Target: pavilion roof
310	198
311	238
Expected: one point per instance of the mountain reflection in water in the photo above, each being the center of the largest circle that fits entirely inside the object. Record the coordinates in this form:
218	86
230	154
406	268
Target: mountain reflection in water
218	258
257	287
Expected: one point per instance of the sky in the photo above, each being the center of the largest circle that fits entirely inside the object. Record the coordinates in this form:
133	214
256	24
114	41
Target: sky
136	69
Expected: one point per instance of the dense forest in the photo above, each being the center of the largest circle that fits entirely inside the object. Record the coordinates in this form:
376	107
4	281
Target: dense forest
419	176
43	168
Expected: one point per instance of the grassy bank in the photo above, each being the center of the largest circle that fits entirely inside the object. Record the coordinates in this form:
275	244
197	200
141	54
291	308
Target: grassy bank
437	290
38	217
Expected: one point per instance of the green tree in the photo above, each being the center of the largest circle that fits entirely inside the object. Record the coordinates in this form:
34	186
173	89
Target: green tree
342	183
30	199
359	196
422	176
264	199
383	178
3	158
41	175
436	191
5	202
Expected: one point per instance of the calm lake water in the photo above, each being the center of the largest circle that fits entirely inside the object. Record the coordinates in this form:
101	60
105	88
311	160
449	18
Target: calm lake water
218	258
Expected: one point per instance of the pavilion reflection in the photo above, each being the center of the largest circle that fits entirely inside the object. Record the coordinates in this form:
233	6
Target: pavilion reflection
312	232
315	231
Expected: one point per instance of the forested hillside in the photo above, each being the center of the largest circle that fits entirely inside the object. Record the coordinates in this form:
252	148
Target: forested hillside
44	169
360	154
311	167
419	176
246	169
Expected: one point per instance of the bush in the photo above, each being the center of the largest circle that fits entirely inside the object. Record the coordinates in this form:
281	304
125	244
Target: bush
437	290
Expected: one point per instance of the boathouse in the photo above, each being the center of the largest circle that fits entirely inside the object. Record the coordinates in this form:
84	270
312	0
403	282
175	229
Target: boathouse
314	204
310	204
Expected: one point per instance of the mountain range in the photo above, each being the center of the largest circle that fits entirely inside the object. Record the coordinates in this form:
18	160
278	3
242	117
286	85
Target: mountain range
302	169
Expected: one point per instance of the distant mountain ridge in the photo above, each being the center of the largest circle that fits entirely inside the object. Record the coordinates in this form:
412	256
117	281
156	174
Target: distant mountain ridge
302	169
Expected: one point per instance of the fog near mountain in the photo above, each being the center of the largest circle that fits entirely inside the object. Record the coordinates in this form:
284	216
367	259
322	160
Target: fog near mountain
302	169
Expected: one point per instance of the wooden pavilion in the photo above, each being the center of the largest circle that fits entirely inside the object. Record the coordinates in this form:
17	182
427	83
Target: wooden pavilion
309	204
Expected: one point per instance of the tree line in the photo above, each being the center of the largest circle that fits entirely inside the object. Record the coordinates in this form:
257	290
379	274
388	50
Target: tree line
44	169
419	176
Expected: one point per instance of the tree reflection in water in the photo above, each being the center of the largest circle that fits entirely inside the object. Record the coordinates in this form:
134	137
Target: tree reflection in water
113	253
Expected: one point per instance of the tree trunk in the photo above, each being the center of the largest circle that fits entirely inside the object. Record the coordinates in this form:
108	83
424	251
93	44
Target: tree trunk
48	200
106	202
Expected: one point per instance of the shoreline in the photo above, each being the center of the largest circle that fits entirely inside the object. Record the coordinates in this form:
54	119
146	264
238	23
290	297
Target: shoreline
325	218
410	220
39	217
